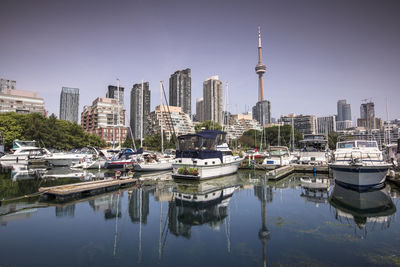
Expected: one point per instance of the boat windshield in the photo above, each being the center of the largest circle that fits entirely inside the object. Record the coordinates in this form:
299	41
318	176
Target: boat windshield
19	143
196	143
346	144
363	144
278	152
360	144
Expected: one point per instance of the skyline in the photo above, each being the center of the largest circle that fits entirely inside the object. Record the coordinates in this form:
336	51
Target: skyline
350	50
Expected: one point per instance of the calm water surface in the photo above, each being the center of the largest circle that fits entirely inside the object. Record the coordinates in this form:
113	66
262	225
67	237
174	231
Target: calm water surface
238	220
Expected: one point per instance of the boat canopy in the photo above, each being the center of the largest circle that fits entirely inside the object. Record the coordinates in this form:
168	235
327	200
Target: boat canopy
205	140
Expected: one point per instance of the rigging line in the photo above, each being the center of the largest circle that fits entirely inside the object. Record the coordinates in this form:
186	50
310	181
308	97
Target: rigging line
169	112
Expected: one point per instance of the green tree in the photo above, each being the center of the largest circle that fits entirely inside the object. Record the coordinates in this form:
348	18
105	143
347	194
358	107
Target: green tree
332	140
49	132
207	125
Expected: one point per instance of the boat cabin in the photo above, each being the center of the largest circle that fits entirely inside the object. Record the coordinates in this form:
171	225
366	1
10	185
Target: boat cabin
205	144
314	143
356	144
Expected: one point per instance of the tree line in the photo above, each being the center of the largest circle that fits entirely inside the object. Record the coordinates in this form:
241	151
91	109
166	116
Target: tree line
48	132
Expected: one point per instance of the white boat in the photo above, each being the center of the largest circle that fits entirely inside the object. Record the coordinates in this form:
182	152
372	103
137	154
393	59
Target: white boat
153	163
277	156
62	159
314	150
23	151
359	163
204	155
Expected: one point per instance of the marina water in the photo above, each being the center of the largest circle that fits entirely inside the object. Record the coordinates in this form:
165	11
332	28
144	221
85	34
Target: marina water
238	220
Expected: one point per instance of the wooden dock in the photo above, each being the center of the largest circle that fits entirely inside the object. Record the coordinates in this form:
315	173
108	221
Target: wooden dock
63	193
284	171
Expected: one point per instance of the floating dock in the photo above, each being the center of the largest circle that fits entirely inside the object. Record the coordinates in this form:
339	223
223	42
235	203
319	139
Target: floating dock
67	192
284	171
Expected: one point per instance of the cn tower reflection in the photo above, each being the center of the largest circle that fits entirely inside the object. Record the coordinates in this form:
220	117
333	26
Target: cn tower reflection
264	194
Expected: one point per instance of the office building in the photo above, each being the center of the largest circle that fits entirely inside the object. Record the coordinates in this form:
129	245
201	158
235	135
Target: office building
326	125
180	90
140	109
112	92
172	119
262	112
69	104
106	119
343	111
367	117
305	124
212	95
199	109
21	102
343	125
7	84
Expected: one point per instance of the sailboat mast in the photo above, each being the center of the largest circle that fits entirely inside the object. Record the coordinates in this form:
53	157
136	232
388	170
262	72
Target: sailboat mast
118	117
141	115
161	121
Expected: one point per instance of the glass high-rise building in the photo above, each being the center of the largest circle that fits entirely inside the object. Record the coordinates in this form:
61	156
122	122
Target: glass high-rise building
212	95
113	93
138	106
262	112
69	104
180	90
343	111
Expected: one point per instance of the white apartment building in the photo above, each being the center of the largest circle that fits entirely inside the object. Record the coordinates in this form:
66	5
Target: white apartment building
171	118
21	102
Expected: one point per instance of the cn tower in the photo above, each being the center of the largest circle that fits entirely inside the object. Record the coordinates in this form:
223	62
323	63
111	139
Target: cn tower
260	69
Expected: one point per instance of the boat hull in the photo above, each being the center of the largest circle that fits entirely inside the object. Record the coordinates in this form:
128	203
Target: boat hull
360	176
153	167
207	172
63	162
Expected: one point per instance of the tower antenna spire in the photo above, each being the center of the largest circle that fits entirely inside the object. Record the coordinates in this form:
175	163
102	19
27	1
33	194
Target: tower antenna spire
260	68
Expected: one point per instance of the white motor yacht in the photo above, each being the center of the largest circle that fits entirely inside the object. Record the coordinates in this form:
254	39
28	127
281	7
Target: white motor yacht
23	151
277	156
359	163
314	150
204	155
61	159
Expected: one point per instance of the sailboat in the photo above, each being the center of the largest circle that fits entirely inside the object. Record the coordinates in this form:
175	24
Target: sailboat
154	162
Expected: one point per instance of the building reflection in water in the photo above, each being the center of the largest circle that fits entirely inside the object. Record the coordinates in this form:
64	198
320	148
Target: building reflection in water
65	211
199	203
264	193
109	204
366	209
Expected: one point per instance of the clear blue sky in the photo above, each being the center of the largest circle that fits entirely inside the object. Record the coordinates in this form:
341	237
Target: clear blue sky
316	52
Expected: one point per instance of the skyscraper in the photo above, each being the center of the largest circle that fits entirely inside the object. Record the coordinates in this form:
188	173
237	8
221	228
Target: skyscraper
367	117
113	93
199	109
212	95
139	109
69	104
180	90
262	109
343	111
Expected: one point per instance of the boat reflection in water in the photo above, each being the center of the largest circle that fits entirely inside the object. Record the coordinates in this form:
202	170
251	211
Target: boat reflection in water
363	207
315	189
198	203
